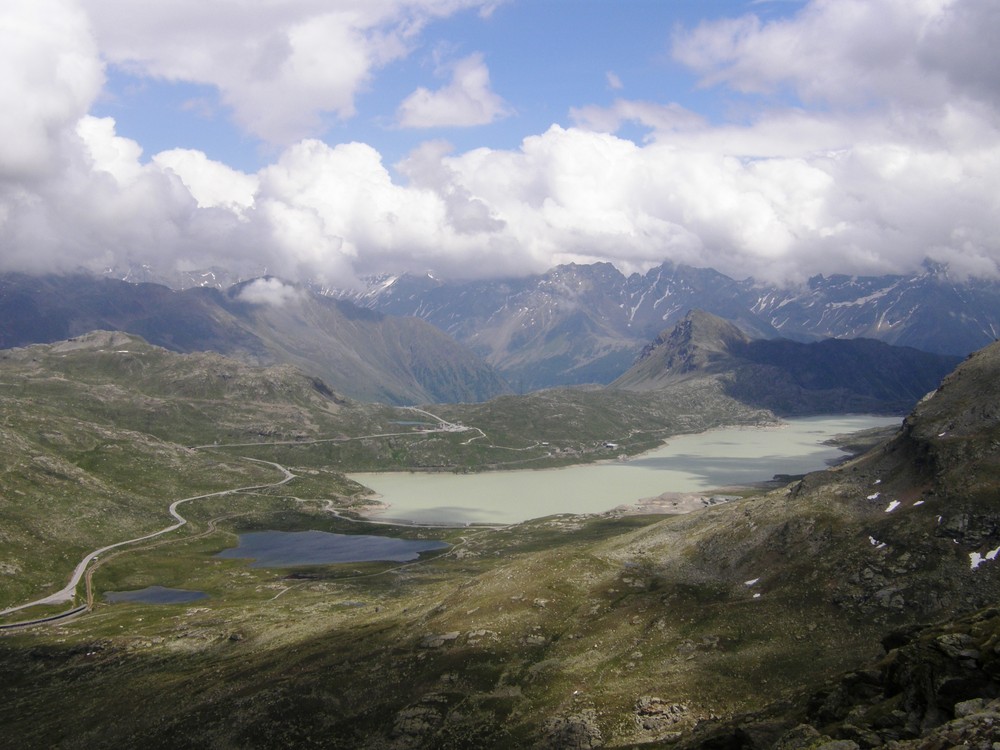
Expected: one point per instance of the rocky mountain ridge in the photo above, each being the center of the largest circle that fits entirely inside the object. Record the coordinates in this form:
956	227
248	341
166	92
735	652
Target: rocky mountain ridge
588	323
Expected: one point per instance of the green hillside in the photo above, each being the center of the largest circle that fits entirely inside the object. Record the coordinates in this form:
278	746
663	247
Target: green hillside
735	626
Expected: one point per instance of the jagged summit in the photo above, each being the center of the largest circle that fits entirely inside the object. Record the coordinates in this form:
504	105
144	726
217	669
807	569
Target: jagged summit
697	343
586	323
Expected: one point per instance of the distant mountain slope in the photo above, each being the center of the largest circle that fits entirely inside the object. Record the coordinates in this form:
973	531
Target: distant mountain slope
362	353
930	311
587	323
788	377
574	324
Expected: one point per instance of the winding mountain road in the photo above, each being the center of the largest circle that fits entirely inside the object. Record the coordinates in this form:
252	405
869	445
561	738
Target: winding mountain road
68	592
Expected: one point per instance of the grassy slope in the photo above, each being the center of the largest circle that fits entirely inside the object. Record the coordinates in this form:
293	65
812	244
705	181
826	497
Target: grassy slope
86	463
551	630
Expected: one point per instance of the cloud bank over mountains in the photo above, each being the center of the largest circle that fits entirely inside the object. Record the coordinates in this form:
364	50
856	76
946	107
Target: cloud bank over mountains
864	137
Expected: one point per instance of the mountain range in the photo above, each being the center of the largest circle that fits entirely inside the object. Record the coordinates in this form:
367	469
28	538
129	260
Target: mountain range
433	342
362	353
588	323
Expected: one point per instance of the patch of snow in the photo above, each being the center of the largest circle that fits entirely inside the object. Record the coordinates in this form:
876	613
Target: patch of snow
756	596
877	481
919	502
975	559
942	434
863	300
874	496
631	315
751	582
892	506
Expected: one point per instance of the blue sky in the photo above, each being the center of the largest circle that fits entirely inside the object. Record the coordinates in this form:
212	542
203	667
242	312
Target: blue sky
545	57
330	141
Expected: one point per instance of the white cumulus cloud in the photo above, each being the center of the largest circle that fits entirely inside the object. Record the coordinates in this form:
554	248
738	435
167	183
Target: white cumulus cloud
467	100
269	291
658	117
212	183
900	162
51	74
281	68
854	52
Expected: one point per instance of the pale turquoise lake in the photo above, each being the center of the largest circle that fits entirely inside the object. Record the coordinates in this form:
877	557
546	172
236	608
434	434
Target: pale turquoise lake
687	463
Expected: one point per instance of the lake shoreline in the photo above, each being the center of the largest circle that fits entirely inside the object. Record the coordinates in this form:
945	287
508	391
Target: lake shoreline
683	474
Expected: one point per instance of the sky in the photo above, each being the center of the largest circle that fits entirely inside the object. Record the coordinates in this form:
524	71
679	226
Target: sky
329	140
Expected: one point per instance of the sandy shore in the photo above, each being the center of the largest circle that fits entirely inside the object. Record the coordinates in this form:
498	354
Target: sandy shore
676	503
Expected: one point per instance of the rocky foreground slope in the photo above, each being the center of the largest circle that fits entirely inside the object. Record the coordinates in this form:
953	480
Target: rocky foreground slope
904	541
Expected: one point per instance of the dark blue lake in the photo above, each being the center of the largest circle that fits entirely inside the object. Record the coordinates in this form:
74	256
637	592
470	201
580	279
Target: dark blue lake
155	595
278	549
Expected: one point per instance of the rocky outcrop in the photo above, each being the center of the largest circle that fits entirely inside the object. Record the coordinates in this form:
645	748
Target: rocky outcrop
935	677
659	718
576	731
935	688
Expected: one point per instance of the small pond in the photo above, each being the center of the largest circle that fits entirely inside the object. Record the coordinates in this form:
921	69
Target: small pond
155	595
281	549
